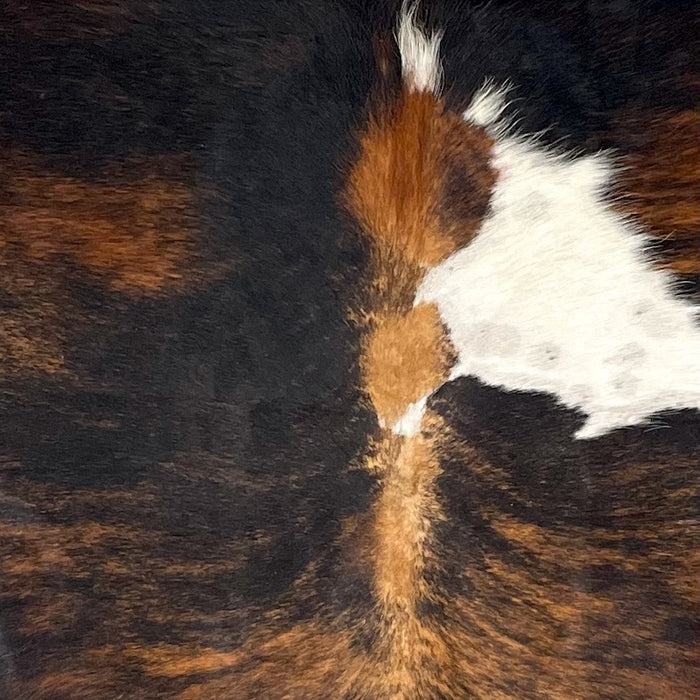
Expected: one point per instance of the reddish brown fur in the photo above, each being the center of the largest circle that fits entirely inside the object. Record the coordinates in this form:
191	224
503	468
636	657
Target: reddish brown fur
131	227
660	183
397	185
134	230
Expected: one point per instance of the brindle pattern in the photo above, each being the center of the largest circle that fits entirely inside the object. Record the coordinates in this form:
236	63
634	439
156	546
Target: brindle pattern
193	484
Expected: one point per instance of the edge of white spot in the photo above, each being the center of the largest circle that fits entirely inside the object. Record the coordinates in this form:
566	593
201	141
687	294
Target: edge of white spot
558	263
555	261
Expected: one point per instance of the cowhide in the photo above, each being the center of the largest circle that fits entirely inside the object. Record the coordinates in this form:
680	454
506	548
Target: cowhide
350	350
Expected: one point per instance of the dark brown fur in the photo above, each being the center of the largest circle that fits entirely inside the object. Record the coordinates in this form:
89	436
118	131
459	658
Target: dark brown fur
196	498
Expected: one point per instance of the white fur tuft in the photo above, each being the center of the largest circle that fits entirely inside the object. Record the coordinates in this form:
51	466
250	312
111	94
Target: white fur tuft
487	105
420	54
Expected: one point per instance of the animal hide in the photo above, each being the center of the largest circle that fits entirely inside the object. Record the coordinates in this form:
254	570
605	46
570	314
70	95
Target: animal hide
350	349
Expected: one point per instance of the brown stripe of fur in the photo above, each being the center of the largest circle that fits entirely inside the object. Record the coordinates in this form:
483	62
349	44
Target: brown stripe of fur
419	189
133	227
403	518
660	184
402	515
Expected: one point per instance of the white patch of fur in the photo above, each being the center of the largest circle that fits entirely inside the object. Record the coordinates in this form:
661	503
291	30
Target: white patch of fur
487	105
409	423
556	294
420	54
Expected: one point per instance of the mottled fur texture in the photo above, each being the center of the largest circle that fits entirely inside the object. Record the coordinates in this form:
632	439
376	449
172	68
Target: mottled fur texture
248	448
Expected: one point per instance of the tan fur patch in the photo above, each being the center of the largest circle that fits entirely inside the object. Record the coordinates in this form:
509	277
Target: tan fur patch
33	346
405	357
403	516
177	660
399	546
298	662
